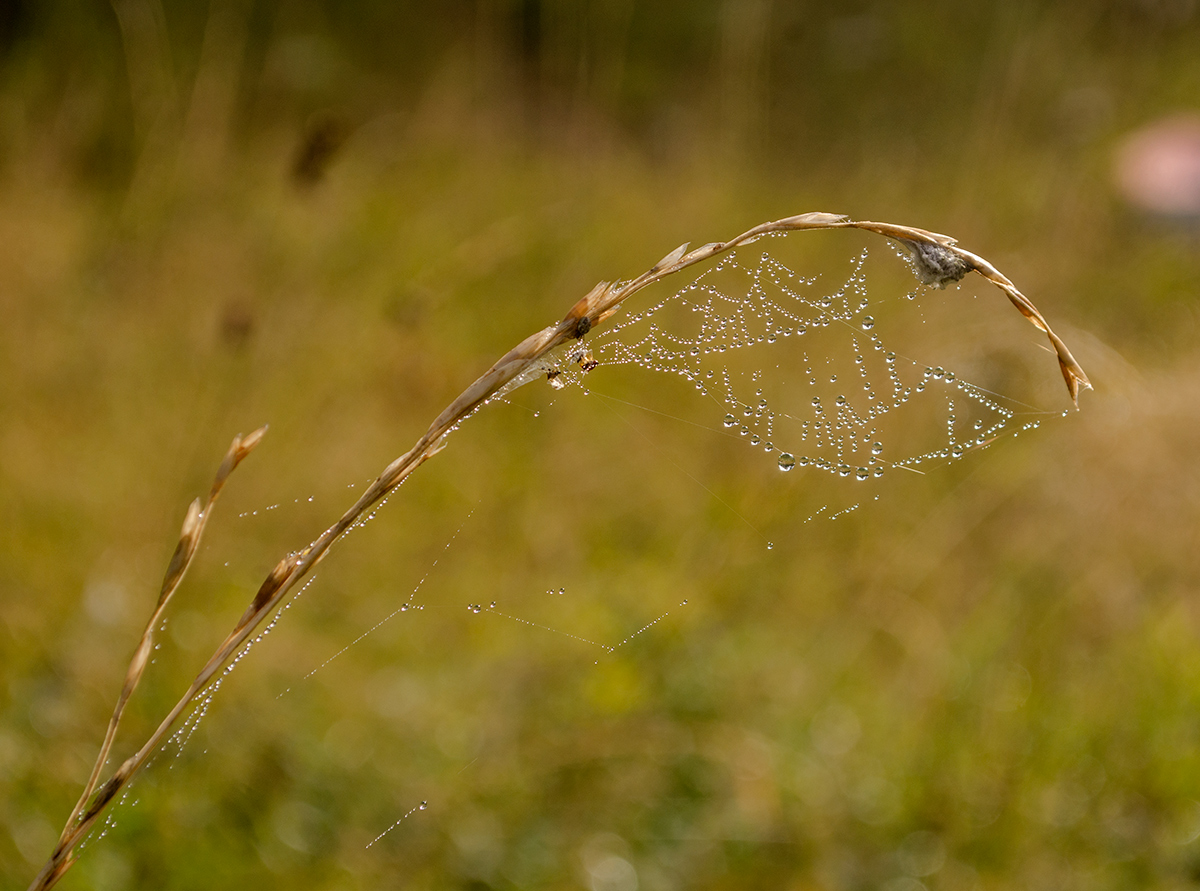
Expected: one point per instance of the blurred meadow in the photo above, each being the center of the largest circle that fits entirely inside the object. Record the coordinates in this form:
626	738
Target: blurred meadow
331	217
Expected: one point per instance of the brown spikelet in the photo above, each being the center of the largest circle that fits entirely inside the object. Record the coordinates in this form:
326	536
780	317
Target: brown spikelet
238	450
274	580
103	796
670	259
189	538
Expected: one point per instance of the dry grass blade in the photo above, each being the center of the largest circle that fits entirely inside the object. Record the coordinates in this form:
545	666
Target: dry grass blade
194	522
936	260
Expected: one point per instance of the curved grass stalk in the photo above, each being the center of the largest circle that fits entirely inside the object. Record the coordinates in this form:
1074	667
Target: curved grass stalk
935	259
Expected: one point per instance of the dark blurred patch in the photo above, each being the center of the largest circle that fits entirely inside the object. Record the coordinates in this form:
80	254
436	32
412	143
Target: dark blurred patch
694	779
14	23
108	156
323	136
527	29
237	324
1164	13
408	306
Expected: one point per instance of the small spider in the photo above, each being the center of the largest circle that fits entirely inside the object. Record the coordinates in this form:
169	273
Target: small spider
585	359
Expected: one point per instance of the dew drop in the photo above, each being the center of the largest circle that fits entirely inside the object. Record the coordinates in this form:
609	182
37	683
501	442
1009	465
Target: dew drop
876	448
786	461
424	804
770	545
862	473
868	323
729	421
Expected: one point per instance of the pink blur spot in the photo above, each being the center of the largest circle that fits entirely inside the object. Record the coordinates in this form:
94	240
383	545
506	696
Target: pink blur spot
1158	166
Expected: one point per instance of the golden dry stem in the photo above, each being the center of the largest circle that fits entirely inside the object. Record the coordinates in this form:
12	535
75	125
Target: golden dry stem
935	259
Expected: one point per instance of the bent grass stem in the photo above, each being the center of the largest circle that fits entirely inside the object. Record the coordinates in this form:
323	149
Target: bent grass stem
935	259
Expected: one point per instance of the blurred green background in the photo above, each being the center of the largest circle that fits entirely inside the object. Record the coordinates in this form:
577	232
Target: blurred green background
331	216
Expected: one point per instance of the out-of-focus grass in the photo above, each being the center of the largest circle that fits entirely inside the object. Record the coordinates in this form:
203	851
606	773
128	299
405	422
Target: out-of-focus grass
990	680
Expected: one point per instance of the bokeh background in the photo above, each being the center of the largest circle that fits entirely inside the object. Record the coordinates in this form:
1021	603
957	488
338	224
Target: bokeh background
331	216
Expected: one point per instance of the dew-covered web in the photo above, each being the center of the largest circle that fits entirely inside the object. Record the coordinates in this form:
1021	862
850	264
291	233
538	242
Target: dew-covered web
801	374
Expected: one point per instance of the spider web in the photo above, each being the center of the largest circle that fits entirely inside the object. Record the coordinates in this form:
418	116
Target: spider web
801	375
